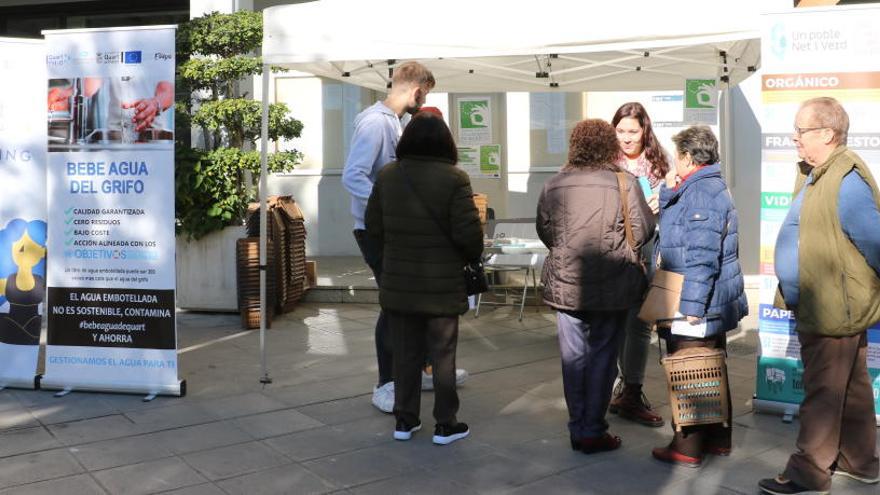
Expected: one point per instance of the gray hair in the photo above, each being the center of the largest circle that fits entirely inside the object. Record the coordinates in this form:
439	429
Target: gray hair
700	142
828	112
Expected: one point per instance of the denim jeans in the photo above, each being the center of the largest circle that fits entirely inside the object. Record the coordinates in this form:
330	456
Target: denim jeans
588	342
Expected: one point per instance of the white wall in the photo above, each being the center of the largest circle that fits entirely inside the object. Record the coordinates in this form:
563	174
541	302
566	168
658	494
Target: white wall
745	183
201	7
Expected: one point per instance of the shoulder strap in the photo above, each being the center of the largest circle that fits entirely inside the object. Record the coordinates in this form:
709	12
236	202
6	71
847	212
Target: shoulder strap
624	205
427	208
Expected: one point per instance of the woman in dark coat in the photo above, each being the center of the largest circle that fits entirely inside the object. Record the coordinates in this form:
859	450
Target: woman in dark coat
593	274
699	239
422	212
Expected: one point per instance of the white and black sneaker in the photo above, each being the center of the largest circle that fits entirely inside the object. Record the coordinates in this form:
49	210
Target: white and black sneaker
446	434
404	431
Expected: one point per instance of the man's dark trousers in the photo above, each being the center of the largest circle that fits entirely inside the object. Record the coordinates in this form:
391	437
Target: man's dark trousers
372	253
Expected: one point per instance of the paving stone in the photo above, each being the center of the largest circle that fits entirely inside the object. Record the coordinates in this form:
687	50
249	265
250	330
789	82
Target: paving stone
618	468
173	416
24	440
276	423
361	466
199	437
413	482
334	440
92	430
234	460
118	452
340	411
203	489
564	485
324	390
242	405
66	409
494	473
9	400
38	466
149	477
81	484
282	479
17	417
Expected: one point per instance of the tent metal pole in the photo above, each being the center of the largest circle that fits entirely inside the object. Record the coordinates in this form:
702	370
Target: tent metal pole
264	172
727	133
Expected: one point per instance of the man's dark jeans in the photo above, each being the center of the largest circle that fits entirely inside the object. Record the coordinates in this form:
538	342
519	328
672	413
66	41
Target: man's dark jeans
372	253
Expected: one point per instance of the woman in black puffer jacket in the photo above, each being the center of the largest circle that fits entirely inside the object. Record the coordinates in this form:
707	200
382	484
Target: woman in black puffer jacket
422	212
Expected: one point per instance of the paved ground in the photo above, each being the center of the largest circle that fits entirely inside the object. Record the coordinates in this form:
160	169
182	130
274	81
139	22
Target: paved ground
313	429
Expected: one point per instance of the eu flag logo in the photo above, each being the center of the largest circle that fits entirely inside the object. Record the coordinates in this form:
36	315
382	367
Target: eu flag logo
131	57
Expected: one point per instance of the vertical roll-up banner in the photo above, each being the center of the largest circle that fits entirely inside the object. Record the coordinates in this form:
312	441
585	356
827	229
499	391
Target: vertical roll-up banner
804	54
22	209
111	321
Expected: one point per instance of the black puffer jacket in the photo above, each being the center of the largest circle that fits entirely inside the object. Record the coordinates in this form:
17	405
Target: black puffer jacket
591	267
421	270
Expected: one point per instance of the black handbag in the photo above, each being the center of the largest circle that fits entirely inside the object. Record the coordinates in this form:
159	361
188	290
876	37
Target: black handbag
475	281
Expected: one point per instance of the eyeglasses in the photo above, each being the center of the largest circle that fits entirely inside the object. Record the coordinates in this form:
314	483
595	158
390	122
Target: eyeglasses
800	131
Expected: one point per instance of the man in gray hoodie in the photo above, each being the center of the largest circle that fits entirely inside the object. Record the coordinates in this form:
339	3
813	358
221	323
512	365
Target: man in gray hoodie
376	132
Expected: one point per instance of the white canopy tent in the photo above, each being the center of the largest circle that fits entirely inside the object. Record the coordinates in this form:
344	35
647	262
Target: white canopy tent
498	45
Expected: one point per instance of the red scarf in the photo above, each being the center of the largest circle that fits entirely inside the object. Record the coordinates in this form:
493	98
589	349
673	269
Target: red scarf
692	172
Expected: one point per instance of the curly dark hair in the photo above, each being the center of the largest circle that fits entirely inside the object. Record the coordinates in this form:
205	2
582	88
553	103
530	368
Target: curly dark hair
593	144
653	152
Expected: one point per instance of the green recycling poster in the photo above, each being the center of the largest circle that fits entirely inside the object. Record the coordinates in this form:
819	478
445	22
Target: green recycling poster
481	161
477	154
701	101
474	121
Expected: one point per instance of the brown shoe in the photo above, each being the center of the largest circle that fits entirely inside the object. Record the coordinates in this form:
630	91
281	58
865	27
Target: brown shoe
593	445
632	405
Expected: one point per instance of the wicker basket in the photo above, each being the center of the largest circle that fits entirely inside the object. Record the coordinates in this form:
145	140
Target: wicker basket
697	381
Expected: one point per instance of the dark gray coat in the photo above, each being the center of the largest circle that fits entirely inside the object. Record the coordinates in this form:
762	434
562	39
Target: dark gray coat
591	267
421	269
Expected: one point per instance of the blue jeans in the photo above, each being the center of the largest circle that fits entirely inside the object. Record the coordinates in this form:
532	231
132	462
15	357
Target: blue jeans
588	343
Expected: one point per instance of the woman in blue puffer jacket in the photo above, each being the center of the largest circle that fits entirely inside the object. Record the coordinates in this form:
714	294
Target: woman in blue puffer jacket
698	239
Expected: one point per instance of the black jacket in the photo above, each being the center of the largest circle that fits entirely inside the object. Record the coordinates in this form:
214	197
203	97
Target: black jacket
421	269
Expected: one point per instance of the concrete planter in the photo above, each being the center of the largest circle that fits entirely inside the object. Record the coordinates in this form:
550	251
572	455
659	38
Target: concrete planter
206	271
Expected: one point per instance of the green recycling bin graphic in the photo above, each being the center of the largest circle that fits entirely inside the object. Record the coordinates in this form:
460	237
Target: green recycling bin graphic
474	114
701	93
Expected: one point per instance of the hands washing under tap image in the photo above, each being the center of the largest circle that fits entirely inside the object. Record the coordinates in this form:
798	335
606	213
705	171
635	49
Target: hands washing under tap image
109	113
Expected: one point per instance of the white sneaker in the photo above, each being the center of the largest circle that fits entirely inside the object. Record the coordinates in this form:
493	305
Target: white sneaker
383	397
461	376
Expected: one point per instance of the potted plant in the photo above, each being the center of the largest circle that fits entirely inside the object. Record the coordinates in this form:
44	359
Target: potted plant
214	181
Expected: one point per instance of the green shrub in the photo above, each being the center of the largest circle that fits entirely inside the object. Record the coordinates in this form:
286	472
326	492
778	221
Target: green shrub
213	183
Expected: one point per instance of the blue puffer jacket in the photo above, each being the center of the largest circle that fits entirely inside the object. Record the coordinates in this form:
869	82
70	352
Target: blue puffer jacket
695	243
